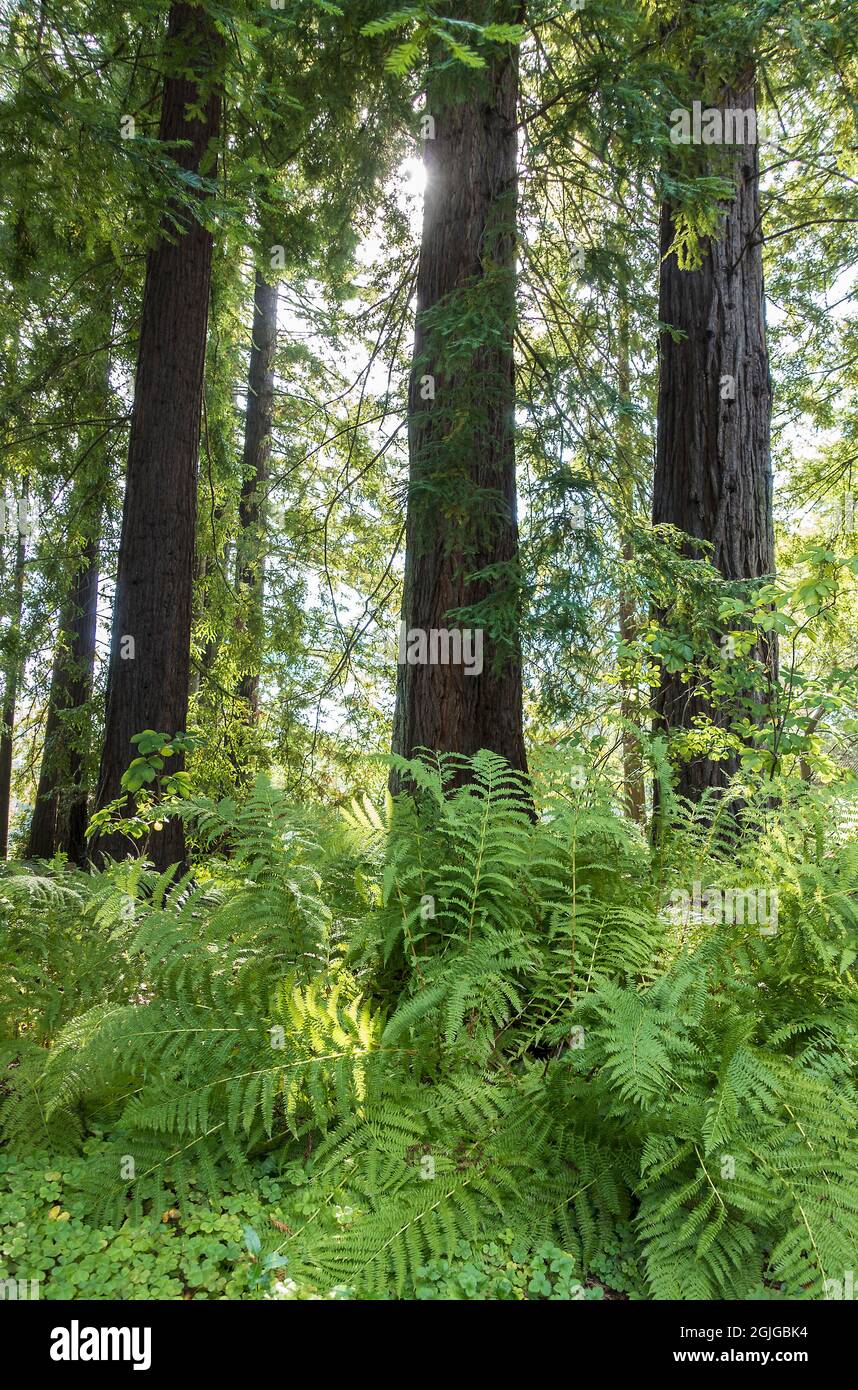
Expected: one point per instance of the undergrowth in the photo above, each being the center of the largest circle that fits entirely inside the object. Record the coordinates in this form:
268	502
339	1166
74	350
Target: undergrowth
473	1025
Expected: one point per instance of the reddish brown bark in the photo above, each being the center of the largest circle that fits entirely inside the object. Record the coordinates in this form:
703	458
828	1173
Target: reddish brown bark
156	556
462	498
713	475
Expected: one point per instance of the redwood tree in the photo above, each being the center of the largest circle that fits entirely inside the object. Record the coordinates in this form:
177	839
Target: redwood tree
148	676
713	477
461	526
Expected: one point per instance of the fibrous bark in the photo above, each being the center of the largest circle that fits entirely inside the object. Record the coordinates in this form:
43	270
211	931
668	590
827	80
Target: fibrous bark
713	477
149	687
461	514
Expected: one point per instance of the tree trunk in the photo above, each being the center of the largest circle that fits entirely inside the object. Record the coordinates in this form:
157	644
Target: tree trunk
250	557
461	515
60	812
634	791
713	471
147	683
10	691
59	817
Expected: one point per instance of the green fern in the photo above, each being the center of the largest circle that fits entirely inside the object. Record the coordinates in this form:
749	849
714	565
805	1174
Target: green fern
464	1009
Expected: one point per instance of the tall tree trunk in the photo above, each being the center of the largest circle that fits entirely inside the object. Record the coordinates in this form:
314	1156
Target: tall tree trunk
250	556
713	471
147	684
461	514
10	689
633	775
634	790
60	812
73	818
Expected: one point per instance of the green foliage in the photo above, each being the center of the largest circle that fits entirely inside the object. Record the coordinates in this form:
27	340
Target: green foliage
464	1043
62	937
146	768
427	28
505	1269
476	1015
199	1251
150	794
225	1244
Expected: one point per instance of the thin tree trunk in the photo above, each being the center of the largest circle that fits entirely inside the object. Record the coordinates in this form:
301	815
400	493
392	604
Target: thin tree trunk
74	818
60	812
10	692
633	775
634	790
713	472
250	556
461	514
147	683
59	817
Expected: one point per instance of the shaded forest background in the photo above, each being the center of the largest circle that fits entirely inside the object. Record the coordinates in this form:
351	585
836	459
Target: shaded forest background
428	651
284	464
